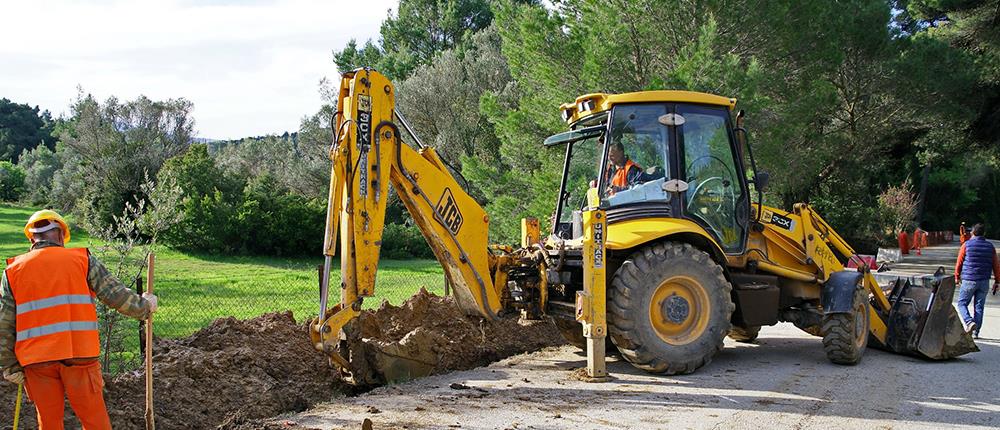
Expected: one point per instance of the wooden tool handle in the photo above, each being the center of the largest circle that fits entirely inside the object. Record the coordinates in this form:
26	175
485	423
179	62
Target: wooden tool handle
150	423
17	407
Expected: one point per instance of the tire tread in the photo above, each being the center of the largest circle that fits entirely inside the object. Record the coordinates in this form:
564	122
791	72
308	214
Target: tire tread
625	293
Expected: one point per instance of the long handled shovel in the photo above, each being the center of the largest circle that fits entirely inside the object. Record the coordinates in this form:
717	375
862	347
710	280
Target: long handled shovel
150	424
17	407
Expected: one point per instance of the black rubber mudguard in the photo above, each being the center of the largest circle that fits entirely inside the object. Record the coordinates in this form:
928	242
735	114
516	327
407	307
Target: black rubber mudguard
838	292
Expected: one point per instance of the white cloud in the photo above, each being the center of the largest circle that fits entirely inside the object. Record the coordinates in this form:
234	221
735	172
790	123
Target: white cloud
250	67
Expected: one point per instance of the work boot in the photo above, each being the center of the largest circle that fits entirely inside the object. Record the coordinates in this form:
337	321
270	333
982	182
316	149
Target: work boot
970	327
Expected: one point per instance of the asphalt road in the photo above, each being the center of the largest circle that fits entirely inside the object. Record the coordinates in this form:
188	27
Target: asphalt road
782	381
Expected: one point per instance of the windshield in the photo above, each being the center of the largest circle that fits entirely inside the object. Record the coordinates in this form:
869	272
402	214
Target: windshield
584	163
637	156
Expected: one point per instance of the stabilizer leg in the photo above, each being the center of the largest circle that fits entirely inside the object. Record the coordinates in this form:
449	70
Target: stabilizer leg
592	301
596	366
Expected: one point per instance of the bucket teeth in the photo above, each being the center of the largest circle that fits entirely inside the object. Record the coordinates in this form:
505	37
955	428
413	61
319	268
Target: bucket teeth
325	335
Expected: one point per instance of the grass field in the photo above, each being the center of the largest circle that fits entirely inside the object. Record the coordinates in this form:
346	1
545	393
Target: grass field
196	289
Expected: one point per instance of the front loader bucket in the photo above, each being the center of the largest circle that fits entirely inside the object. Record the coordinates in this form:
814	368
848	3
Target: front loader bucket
923	322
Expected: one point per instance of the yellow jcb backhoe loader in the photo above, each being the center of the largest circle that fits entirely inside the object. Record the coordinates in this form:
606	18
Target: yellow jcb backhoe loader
656	244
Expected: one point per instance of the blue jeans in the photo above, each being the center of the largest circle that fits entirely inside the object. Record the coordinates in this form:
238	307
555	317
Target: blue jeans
973	290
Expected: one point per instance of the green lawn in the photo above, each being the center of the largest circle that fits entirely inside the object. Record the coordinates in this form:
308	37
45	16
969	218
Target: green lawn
196	289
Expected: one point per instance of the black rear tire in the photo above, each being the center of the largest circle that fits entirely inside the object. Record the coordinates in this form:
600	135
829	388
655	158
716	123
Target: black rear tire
845	335
669	307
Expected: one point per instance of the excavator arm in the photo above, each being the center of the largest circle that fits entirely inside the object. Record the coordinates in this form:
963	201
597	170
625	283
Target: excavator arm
367	156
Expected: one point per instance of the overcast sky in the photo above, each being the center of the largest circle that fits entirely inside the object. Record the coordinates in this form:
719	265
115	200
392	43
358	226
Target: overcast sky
250	67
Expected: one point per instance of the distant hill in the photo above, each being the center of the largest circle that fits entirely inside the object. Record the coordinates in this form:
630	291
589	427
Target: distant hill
216	144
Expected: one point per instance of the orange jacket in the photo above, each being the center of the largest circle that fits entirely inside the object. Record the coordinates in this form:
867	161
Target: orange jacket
620	179
56	317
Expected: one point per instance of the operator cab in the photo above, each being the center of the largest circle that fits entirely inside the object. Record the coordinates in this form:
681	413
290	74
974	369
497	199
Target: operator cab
654	154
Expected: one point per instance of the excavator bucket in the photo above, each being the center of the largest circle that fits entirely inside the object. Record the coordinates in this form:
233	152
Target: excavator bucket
922	321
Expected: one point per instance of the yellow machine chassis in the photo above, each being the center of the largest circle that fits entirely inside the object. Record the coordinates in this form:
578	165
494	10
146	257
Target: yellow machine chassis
805	253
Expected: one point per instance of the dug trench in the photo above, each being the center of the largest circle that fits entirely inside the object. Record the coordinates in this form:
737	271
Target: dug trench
233	373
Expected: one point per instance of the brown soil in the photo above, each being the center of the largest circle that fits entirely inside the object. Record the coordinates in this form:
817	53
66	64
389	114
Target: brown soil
230	371
233	373
429	334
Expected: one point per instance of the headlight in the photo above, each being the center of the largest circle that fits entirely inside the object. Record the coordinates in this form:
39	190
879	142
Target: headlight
567	114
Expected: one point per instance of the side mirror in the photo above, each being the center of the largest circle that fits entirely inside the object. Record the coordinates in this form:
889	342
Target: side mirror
761	179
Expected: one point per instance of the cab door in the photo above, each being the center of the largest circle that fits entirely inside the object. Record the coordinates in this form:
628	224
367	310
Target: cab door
716	196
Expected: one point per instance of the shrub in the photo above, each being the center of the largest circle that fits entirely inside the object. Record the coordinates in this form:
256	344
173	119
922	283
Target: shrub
69	182
209	204
11	181
400	241
40	165
898	205
273	221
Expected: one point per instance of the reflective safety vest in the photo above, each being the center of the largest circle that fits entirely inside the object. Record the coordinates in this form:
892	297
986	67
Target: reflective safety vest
620	179
56	316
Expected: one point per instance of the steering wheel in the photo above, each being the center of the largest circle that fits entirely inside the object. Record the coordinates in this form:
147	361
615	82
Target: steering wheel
694	162
720	186
704	190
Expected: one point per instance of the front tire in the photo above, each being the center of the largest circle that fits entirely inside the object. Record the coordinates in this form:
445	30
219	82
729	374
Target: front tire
669	307
845	335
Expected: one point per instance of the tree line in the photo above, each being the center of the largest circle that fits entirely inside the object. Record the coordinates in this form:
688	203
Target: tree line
871	110
882	114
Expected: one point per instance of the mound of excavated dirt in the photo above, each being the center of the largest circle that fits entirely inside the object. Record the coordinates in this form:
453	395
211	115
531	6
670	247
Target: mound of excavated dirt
429	334
234	372
228	372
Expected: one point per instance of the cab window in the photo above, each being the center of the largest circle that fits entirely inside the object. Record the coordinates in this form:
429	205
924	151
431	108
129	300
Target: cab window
637	156
715	190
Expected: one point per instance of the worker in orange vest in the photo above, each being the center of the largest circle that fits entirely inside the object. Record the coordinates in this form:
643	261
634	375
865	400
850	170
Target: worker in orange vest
48	323
624	172
963	233
919	239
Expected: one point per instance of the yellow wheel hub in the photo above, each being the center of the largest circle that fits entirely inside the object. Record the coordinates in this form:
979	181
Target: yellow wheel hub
860	323
679	310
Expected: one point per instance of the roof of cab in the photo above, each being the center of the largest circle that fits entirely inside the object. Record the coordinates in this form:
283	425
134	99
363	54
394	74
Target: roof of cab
590	104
